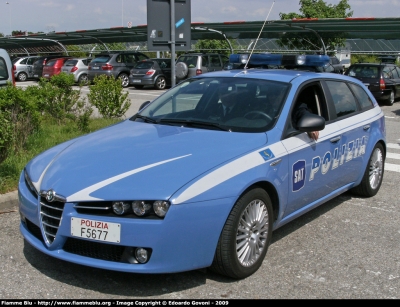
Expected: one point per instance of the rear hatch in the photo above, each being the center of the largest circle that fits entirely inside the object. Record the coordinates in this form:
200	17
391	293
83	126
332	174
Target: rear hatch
99	65
49	69
370	75
141	69
68	66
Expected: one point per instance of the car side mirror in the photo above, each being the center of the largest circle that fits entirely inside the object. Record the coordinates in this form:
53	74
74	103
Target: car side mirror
143	105
311	122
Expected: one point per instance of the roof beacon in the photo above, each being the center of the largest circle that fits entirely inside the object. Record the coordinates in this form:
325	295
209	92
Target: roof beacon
259	59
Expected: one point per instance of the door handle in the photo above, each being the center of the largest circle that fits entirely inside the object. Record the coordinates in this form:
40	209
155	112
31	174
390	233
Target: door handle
336	139
276	162
366	127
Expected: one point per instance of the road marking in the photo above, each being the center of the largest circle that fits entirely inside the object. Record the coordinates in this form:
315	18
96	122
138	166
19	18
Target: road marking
392	156
392	145
392	167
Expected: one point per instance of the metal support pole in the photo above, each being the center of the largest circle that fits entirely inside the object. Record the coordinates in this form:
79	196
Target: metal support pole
173	74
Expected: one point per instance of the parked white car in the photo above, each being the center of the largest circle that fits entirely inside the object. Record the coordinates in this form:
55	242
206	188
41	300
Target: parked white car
6	68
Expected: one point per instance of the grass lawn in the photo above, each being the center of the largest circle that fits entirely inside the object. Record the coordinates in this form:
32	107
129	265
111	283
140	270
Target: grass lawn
51	134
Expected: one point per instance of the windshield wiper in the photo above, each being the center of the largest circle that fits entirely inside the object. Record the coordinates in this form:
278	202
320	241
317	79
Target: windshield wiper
146	119
193	123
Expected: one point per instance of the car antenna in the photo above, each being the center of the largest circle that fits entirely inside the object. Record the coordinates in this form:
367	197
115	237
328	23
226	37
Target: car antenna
245	66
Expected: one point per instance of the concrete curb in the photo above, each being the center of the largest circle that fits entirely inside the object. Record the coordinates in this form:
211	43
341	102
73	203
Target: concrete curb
9	202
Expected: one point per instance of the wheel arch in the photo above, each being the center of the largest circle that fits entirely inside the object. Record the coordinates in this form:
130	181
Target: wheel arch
272	193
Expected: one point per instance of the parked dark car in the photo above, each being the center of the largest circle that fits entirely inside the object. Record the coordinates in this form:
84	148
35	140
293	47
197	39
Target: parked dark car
115	64
53	67
40	62
335	62
155	72
382	79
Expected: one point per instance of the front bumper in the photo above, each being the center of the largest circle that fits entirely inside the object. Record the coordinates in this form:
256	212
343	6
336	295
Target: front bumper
185	240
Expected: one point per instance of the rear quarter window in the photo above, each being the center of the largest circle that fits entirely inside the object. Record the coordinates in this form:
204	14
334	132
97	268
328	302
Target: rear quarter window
362	97
71	63
343	98
101	59
3	69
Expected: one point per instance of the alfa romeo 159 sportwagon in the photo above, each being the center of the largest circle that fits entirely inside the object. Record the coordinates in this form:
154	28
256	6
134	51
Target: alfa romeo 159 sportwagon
203	175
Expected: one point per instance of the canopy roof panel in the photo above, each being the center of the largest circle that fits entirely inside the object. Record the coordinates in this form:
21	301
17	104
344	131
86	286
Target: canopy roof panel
351	28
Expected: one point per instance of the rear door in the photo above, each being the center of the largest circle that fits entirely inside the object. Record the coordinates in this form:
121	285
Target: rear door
313	165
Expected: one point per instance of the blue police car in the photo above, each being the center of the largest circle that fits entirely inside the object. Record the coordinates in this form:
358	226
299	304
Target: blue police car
202	176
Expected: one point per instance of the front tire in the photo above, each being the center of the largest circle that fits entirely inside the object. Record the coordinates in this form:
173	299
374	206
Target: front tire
373	175
245	237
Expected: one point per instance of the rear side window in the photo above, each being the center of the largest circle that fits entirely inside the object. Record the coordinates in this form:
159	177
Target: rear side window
144	65
364	71
71	63
362	97
101	59
3	69
343	98
51	63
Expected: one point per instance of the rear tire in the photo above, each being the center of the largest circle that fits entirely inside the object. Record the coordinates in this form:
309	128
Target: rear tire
22	77
181	70
245	237
373	175
83	79
390	100
160	83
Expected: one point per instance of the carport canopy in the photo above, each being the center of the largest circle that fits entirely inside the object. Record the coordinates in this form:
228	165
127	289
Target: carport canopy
350	28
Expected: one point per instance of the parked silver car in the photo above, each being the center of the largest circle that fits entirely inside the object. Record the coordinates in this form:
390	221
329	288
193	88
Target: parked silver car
193	64
6	68
77	67
24	67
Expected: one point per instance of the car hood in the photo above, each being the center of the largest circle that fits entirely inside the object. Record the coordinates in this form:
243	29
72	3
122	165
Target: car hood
129	159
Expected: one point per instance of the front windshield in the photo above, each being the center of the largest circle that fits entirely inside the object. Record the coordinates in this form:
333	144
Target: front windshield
231	104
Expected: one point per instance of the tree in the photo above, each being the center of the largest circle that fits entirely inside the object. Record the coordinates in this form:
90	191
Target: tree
316	9
214	46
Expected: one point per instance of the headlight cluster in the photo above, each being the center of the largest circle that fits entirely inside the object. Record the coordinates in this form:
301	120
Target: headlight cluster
141	207
29	183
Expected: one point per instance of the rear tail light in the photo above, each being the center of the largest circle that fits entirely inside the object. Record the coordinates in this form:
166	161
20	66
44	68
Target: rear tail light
107	67
150	72
199	71
13	69
382	84
74	69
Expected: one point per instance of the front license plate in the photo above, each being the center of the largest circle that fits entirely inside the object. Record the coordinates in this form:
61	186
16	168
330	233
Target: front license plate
35	76
136	80
96	230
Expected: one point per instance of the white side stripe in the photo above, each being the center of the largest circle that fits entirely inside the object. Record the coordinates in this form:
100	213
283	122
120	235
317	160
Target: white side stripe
229	171
85	193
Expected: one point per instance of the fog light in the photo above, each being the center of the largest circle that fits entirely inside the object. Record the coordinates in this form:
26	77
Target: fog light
140	208
161	207
141	255
120	207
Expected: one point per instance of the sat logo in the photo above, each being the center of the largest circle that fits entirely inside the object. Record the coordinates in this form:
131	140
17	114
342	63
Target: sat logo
298	175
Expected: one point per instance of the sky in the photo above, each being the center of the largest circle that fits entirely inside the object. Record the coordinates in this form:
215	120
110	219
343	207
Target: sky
72	15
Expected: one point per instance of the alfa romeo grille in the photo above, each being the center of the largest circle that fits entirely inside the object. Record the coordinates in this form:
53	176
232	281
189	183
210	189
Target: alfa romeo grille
50	216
